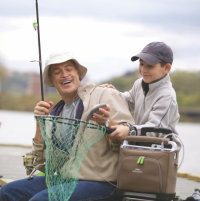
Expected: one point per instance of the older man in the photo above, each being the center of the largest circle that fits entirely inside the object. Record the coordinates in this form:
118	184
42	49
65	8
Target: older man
64	73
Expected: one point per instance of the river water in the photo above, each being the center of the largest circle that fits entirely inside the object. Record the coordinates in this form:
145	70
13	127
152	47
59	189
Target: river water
19	128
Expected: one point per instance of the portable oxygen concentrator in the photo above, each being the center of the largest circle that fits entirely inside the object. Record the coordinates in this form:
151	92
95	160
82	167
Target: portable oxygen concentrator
147	172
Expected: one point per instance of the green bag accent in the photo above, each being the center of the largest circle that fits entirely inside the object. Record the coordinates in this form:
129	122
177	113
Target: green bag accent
67	143
138	161
142	160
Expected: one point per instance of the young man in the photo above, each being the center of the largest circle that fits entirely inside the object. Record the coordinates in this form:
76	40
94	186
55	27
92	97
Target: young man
64	73
152	98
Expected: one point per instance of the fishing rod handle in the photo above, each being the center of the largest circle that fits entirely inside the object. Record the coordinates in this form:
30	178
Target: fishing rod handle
109	130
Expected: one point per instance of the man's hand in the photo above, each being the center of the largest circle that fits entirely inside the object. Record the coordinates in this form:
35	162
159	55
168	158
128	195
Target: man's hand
103	115
108	86
42	108
119	134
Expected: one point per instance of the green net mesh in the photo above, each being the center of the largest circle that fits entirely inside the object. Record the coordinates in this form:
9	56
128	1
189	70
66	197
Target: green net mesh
67	142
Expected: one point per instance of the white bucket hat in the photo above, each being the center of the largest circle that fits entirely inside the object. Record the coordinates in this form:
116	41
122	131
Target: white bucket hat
57	58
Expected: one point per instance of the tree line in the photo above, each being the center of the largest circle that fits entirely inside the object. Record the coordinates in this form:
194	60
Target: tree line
185	83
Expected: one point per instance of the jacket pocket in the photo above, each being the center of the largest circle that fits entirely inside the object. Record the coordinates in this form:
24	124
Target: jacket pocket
141	174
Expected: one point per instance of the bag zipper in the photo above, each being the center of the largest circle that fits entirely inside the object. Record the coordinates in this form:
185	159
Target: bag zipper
141	160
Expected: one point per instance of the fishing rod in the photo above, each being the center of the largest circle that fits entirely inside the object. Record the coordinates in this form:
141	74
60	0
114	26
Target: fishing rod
36	26
30	166
30	158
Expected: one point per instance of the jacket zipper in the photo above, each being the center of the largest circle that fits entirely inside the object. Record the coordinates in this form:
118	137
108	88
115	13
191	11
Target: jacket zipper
144	100
141	160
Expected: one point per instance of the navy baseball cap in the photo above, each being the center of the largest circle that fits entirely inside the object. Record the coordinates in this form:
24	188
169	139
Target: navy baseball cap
155	52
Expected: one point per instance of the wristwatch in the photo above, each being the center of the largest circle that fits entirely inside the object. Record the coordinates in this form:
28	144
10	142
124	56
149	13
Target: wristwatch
132	131
107	123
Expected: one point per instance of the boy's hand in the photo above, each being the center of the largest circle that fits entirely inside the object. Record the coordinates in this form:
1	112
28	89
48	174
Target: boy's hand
119	134
108	86
42	108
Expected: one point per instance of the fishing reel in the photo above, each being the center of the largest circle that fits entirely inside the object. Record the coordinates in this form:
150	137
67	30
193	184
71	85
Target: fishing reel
29	162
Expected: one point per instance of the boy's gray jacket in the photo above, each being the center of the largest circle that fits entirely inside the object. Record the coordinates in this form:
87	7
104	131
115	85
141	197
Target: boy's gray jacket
103	155
158	108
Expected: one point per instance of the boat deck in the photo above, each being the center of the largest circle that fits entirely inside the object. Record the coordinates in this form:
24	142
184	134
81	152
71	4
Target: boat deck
11	167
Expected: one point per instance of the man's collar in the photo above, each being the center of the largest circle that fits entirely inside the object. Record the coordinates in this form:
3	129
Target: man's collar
86	88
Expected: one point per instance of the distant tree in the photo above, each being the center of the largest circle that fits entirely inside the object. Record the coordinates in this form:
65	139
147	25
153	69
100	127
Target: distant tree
2	72
2	69
187	87
185	83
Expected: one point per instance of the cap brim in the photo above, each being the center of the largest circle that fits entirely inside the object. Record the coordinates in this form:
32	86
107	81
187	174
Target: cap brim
148	58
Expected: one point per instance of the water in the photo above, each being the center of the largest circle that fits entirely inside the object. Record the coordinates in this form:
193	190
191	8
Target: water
19	128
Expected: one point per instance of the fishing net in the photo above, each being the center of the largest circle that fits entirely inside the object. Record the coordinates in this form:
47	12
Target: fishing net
67	142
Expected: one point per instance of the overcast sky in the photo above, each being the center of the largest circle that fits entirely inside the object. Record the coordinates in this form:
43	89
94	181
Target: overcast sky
102	34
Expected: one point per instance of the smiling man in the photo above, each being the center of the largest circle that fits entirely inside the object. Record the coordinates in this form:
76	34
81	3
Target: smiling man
64	72
65	78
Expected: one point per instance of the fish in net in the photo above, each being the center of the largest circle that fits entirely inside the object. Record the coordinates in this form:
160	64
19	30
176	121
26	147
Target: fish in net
67	142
